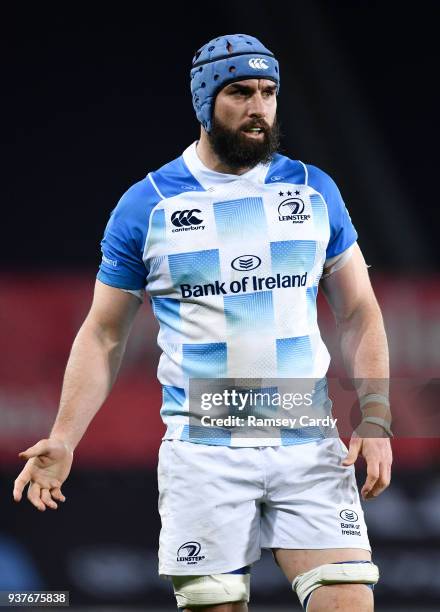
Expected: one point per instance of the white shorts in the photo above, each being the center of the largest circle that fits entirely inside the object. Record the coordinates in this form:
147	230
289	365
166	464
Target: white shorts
220	505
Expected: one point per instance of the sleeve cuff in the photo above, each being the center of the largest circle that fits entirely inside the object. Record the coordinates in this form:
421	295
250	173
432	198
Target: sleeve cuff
337	262
139	293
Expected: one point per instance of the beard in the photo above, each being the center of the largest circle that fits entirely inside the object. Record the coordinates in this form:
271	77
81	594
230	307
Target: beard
236	150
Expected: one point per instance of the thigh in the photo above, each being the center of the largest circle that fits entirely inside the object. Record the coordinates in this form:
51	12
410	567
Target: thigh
313	500
209	507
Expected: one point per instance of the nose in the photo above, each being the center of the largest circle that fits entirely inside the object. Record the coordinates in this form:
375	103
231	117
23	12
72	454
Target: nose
256	105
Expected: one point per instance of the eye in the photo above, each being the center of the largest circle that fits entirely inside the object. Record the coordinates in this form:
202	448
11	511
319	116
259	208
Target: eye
239	92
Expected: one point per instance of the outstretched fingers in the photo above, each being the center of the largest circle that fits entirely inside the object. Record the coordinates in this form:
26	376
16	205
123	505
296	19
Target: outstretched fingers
41	494
34	496
56	494
19	484
46	498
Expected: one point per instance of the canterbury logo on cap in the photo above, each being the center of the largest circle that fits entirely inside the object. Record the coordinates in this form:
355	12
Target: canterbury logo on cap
258	63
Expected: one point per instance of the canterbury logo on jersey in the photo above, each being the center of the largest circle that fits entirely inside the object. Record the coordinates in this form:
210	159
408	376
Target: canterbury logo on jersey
186	220
258	63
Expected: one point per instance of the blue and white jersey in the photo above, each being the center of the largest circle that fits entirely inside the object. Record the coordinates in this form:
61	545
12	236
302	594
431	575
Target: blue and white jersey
232	265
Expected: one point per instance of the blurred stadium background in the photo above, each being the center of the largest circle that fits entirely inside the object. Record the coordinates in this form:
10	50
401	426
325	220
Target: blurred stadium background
97	98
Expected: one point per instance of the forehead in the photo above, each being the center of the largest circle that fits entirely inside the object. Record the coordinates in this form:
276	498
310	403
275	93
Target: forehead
250	84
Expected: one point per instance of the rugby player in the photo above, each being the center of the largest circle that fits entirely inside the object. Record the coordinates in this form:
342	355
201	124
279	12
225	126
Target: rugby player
231	241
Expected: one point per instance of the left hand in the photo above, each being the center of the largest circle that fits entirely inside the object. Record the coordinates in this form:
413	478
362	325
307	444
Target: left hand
378	456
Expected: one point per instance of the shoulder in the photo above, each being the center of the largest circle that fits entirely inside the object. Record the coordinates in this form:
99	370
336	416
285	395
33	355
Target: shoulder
170	179
137	202
283	169
323	183
174	178
287	170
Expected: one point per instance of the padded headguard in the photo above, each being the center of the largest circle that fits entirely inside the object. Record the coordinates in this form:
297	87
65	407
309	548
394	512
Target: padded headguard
233	57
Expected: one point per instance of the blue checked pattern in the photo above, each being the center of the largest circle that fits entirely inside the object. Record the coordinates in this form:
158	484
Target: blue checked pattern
292	256
205	360
319	210
167	311
237	216
157	226
173	400
227	329
294	355
195	268
206	435
301	435
155	263
245	312
311	294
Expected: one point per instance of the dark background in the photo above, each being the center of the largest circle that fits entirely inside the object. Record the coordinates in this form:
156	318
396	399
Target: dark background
98	95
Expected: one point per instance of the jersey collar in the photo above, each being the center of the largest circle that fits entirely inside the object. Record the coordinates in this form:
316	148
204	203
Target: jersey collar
210	178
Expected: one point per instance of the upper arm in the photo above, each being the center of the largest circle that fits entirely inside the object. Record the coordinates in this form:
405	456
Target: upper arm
349	288
122	274
342	231
123	243
112	313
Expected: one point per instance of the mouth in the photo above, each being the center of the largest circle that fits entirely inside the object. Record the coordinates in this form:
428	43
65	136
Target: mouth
254	132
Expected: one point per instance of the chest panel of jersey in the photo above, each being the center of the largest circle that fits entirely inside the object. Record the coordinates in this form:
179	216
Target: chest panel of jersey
232	266
239	281
233	223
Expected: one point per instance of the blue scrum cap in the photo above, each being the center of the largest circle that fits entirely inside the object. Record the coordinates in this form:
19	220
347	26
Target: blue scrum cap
233	57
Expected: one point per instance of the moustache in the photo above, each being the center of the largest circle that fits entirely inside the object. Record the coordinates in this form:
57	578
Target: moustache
262	125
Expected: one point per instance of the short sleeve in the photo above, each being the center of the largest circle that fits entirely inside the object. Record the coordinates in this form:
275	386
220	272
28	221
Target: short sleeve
124	239
342	231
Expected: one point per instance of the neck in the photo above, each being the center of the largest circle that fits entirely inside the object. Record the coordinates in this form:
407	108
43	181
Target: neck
211	160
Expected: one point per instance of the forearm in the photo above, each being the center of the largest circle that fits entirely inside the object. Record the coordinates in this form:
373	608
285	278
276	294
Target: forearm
364	349
90	373
362	338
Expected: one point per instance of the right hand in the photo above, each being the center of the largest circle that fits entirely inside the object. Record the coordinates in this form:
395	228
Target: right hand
47	467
